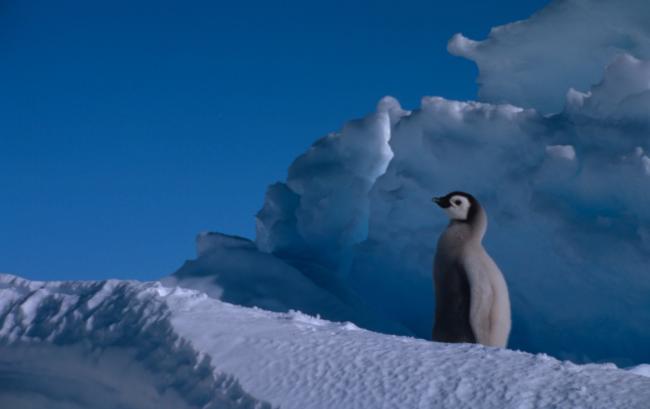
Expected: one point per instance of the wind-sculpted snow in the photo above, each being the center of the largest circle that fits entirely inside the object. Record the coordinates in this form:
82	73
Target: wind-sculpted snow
106	344
330	182
643	370
297	361
142	345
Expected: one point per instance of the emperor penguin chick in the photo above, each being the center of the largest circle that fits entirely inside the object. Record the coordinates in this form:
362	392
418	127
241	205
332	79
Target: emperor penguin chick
472	303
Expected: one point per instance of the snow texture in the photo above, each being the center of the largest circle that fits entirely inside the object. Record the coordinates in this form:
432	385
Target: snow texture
643	370
534	62
109	344
143	345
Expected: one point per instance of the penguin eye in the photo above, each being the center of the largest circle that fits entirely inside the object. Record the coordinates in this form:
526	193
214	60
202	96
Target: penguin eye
457	202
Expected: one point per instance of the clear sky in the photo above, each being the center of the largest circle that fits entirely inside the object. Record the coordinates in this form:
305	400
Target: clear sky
127	127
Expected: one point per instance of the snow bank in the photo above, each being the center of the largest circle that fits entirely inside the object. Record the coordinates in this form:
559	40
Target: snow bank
102	344
532	63
143	345
643	370
296	361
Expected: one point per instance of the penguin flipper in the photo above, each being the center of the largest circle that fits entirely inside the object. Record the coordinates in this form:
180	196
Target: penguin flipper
452	313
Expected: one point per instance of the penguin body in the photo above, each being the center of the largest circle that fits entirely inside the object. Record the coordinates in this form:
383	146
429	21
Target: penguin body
472	302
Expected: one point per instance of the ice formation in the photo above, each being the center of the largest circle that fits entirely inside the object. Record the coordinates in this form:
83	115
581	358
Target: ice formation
566	193
232	269
532	63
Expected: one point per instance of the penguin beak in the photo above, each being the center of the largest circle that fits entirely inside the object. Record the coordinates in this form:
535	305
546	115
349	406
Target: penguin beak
441	201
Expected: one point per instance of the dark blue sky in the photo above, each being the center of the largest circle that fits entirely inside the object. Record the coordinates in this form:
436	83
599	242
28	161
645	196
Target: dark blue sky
126	127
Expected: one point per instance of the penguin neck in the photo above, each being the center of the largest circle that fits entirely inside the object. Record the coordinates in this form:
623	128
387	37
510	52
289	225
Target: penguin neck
471	230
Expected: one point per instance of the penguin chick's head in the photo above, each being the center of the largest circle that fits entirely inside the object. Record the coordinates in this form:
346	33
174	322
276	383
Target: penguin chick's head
458	205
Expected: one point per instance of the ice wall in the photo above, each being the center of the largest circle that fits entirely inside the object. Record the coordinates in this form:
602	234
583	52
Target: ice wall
232	269
566	194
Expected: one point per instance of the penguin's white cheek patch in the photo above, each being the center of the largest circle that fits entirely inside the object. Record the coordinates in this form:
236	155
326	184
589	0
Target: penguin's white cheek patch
456	213
459	208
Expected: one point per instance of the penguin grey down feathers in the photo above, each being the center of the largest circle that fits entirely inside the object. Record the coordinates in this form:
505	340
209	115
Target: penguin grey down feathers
472	303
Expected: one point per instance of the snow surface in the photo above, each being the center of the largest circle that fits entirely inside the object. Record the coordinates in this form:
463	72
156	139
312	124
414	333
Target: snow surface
643	370
144	345
108	344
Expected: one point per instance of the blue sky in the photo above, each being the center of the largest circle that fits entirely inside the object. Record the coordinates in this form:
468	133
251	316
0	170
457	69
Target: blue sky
128	127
